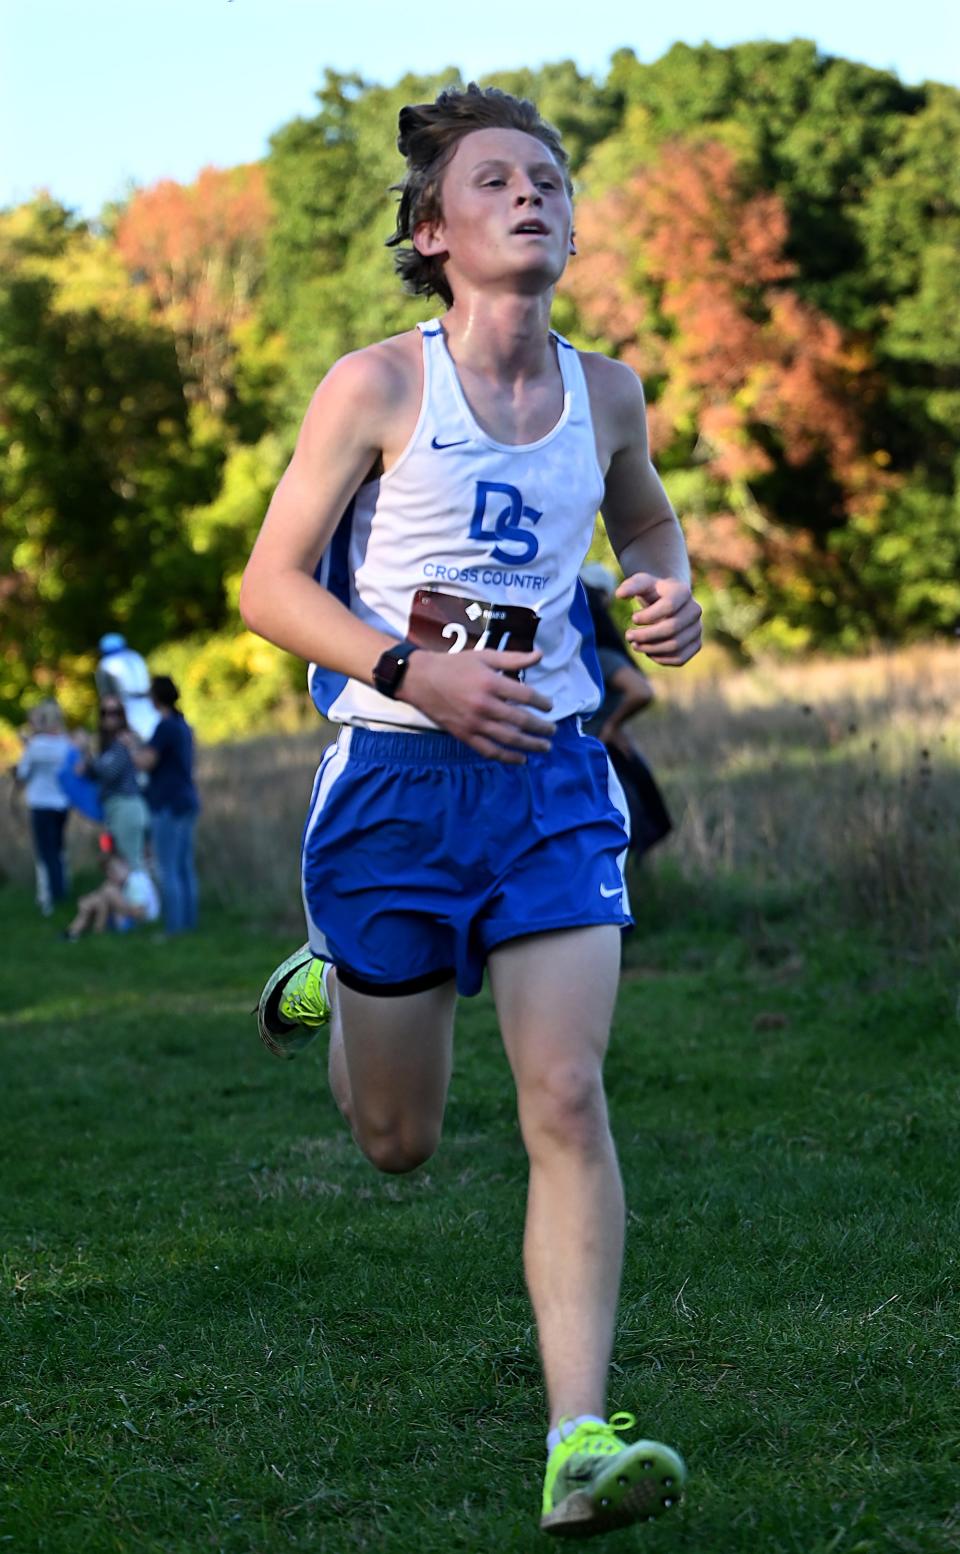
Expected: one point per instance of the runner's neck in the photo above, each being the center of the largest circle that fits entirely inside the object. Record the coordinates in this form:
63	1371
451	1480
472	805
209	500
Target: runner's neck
506	339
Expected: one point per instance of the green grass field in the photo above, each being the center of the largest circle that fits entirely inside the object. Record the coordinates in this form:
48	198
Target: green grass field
222	1331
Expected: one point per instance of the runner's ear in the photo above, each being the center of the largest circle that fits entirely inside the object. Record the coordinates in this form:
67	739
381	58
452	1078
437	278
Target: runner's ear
427	240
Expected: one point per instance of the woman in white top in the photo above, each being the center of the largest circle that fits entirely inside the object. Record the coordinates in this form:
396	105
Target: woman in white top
46	749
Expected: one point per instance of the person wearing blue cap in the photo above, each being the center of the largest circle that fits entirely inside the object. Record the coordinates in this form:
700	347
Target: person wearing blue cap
122	672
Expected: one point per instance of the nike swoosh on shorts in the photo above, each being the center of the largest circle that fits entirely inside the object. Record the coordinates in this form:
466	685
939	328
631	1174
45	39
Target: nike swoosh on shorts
617	891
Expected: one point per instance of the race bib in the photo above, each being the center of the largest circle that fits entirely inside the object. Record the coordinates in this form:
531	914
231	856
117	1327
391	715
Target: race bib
445	623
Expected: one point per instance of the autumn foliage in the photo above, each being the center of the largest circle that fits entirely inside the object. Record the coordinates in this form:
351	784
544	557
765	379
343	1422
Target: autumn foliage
199	249
766	233
685	275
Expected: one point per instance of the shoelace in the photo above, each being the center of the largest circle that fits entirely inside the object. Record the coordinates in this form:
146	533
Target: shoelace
301	1008
595	1438
296	1003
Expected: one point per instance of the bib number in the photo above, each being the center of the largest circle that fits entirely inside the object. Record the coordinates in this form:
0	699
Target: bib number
445	623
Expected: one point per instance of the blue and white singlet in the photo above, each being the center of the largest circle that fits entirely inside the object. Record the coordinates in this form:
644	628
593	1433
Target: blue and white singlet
468	543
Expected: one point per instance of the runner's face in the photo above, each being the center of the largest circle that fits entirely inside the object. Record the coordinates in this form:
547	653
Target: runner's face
507	216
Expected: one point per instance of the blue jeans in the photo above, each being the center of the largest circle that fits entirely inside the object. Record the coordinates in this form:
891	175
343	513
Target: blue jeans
173	847
48	826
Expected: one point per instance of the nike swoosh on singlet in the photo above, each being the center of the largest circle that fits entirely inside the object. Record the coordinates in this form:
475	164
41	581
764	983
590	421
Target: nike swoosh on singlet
460	443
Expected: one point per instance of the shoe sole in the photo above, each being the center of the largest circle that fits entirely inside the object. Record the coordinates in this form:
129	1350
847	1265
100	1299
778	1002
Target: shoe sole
278	1036
645	1486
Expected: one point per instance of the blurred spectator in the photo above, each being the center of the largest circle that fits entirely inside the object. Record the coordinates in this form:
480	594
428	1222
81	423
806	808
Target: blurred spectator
126	897
124	808
123	674
626	692
46	748
172	797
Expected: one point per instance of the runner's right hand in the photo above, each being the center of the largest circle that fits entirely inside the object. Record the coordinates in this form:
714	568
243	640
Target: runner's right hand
473	696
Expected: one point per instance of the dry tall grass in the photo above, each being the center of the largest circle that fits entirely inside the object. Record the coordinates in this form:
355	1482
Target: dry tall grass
835	780
840	779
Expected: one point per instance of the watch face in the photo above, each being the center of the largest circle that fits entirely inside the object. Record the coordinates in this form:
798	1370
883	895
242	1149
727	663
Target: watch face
391	668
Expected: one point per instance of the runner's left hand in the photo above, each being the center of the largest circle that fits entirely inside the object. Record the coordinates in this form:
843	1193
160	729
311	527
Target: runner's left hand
667	628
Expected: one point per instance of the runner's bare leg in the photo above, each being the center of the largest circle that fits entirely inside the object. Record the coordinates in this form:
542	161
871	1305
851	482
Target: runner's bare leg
389	1068
555	995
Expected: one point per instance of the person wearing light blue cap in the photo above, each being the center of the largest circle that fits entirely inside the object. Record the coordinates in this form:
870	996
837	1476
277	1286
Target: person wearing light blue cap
122	672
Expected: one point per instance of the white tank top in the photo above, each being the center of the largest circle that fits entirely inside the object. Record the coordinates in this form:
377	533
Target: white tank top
467	542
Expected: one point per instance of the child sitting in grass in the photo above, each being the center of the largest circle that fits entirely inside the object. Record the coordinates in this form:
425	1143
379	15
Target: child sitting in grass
126	897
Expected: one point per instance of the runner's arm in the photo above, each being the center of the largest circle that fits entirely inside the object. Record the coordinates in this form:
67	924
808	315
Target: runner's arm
645	533
341	438
338	444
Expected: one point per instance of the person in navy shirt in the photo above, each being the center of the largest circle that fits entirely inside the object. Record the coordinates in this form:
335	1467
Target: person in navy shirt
172	797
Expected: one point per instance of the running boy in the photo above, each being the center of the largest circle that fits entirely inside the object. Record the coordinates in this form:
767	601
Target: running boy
421	552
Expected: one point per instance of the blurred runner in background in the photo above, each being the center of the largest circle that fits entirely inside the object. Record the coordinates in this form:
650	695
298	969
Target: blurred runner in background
626	693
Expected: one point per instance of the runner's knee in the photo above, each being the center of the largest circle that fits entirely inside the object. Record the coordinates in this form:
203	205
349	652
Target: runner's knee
395	1151
565	1106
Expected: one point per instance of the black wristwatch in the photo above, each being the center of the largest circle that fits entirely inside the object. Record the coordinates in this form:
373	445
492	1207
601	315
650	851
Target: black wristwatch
391	666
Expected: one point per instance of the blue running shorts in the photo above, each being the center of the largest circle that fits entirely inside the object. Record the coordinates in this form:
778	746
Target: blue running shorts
420	856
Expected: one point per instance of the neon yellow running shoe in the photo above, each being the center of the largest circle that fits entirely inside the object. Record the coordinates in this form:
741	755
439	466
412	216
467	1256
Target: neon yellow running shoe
294	1005
597	1483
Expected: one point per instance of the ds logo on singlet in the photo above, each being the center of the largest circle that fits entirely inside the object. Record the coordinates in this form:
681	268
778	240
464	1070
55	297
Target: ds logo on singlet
493	521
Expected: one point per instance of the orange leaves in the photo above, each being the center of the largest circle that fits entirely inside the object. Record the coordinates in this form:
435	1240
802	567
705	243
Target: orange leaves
170	231
605	280
701	224
684	273
199	250
720	542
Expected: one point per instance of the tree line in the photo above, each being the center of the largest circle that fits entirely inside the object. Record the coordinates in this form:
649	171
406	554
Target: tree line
770	236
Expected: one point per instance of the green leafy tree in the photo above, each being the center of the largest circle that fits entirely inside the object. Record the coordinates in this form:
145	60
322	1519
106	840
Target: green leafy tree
198	252
585	111
864	172
330	281
770	234
99	457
